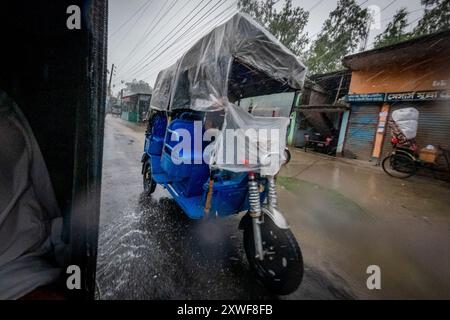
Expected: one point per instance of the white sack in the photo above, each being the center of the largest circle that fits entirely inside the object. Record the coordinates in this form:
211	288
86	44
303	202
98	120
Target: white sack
407	120
405	114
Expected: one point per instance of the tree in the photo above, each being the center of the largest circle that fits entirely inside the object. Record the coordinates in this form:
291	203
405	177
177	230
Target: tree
287	25
341	33
395	31
436	17
137	87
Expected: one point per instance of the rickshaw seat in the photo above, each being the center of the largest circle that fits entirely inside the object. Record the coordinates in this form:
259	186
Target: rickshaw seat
154	141
192	173
196	156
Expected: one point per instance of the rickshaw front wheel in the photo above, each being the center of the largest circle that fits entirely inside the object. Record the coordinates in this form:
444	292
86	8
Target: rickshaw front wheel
281	270
148	182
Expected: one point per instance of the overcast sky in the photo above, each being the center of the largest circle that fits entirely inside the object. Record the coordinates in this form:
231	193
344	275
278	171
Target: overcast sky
146	36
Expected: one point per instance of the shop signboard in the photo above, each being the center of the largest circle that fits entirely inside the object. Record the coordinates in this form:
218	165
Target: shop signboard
371	97
418	96
399	96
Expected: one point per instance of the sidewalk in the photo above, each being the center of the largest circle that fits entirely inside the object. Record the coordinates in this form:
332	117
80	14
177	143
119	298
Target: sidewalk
348	216
139	127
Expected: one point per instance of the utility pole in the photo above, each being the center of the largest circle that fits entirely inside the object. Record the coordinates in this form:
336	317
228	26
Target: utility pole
366	38
110	80
374	20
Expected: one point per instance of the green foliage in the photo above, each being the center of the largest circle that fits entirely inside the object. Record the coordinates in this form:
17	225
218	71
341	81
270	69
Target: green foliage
341	33
287	25
395	31
344	29
137	87
436	17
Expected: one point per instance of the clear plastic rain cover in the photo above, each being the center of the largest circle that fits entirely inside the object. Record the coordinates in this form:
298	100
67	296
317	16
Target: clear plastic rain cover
236	60
249	143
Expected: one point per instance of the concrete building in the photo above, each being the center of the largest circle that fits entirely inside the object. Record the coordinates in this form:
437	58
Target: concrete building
415	73
135	106
321	110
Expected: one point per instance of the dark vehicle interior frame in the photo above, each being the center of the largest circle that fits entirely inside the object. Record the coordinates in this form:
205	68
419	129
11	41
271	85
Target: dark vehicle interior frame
57	77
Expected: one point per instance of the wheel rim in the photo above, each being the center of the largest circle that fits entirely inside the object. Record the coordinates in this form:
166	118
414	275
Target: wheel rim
148	181
276	260
400	166
281	256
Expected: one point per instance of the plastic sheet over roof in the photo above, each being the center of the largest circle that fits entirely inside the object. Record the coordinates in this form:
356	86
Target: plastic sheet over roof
236	60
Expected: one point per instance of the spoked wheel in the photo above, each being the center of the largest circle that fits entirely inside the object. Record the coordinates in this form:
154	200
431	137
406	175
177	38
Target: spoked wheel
281	271
149	183
399	166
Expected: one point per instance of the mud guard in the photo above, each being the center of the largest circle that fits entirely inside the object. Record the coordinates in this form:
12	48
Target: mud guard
273	214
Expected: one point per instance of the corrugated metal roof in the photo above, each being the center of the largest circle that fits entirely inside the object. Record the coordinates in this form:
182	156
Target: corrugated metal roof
411	50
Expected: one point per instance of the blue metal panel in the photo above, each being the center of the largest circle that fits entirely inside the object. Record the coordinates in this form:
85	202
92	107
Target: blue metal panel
361	131
344	126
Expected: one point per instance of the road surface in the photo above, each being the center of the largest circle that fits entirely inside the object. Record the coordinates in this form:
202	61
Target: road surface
149	250
346	216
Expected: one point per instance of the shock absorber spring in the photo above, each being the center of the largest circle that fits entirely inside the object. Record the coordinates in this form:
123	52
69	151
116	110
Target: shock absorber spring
253	197
255	214
272	197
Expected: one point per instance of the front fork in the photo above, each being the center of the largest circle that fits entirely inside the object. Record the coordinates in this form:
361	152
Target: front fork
256	211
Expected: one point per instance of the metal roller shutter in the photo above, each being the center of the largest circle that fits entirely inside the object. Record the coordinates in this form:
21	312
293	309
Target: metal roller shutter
361	132
434	125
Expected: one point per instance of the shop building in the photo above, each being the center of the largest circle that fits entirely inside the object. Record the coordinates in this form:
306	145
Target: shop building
135	106
320	112
414	73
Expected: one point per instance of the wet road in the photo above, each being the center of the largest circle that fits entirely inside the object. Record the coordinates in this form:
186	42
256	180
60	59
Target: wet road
149	250
349	215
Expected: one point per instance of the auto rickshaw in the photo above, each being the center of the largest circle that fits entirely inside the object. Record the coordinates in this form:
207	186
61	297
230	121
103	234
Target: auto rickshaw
217	159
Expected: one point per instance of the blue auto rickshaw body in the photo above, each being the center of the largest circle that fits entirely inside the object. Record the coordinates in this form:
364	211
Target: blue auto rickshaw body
188	182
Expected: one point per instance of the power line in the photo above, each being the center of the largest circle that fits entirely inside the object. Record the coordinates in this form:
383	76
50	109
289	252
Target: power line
415	20
189	42
156	69
151	27
363	3
149	31
315	34
129	19
153	52
133	26
318	3
390	4
408	13
215	7
158	46
177	56
183	49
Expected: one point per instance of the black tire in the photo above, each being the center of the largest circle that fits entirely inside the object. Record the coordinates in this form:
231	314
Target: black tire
148	182
288	156
399	165
284	274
